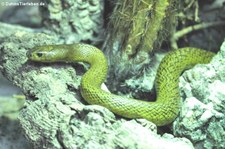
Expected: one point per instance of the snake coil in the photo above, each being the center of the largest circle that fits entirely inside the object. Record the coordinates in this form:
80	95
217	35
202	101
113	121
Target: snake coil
161	112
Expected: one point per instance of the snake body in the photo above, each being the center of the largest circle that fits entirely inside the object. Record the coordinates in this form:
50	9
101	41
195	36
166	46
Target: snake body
161	112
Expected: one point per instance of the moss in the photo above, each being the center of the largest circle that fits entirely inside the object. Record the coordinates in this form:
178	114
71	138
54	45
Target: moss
140	25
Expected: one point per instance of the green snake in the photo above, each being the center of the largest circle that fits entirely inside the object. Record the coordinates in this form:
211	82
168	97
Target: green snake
163	111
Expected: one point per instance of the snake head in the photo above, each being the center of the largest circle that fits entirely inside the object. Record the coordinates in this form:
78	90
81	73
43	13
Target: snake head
46	53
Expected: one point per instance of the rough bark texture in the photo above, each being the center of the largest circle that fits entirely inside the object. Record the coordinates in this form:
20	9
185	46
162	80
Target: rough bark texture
55	117
75	21
202	118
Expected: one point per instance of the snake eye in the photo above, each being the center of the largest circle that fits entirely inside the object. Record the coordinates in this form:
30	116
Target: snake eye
39	54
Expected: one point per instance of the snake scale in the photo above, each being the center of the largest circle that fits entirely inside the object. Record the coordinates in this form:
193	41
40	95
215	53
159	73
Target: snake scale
163	111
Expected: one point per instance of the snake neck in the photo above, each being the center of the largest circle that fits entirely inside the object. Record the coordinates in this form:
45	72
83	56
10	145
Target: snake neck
97	72
95	76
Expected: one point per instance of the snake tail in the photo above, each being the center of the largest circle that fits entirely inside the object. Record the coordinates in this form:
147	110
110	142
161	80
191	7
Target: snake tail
163	111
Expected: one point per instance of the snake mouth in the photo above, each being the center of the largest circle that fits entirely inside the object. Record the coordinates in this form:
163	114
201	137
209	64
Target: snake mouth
29	54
